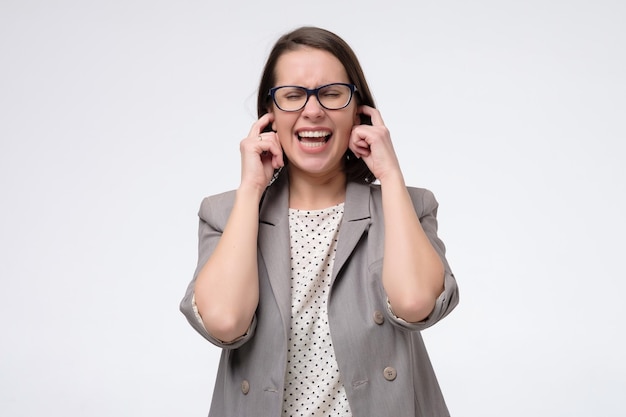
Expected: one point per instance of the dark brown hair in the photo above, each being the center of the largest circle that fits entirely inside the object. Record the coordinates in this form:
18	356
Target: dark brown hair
313	37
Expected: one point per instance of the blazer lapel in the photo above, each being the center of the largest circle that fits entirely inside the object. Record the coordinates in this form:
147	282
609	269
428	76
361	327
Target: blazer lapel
356	220
274	243
274	236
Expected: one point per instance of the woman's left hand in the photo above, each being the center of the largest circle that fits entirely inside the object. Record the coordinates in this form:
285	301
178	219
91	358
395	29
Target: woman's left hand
373	144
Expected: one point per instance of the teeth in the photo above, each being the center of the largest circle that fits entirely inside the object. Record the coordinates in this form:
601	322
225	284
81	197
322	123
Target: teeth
313	134
312	144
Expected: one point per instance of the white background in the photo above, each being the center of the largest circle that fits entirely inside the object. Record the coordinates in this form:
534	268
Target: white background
117	117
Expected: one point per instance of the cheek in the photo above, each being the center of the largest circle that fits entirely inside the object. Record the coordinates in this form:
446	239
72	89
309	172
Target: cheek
281	129
283	123
347	123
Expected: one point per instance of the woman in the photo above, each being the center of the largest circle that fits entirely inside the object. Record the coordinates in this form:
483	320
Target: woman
316	287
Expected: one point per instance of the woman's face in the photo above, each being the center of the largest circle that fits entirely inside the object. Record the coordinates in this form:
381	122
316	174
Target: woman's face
314	139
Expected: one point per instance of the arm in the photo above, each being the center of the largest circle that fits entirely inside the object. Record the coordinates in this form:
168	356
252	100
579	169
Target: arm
226	288
413	272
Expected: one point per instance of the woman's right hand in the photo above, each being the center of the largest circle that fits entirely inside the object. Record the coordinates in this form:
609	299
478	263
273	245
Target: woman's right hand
261	154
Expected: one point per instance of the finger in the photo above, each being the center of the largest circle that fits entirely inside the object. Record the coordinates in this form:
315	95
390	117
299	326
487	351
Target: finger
363	148
277	157
269	144
359	147
360	135
377	119
277	161
263	122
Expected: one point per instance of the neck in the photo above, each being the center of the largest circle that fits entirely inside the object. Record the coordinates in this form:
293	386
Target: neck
308	192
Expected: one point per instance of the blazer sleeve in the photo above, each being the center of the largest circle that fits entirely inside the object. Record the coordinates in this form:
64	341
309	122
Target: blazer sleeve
213	214
426	206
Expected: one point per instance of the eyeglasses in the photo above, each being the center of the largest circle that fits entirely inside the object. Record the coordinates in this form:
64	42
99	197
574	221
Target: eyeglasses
333	96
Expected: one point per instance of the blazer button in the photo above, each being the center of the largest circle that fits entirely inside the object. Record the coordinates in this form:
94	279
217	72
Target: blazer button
245	387
390	373
379	318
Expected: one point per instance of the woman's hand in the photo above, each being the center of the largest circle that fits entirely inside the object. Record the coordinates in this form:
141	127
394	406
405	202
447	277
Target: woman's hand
373	144
261	154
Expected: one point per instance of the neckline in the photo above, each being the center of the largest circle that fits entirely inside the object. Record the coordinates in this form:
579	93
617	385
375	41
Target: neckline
317	211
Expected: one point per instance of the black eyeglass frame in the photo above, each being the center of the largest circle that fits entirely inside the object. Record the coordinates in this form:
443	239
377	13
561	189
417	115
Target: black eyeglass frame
311	92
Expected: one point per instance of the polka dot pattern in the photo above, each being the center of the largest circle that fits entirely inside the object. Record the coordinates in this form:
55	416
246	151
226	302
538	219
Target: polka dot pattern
313	386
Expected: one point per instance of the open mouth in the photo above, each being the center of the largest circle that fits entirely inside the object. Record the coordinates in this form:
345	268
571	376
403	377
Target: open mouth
314	139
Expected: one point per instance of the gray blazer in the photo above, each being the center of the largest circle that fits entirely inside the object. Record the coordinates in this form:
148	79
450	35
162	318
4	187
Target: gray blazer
382	359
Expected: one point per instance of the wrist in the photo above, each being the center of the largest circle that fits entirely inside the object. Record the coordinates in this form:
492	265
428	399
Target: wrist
250	192
390	178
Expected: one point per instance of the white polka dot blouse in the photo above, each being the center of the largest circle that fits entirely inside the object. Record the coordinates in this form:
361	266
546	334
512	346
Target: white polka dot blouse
313	386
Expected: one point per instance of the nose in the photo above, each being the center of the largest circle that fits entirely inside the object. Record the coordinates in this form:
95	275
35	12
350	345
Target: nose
312	108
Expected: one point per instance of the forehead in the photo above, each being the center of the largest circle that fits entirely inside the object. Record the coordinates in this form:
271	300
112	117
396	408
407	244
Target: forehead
309	67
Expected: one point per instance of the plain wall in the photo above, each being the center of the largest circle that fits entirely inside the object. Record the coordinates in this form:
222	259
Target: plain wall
117	117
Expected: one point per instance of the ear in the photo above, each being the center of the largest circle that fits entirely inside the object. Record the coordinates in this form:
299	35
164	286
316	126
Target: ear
270	108
357	117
